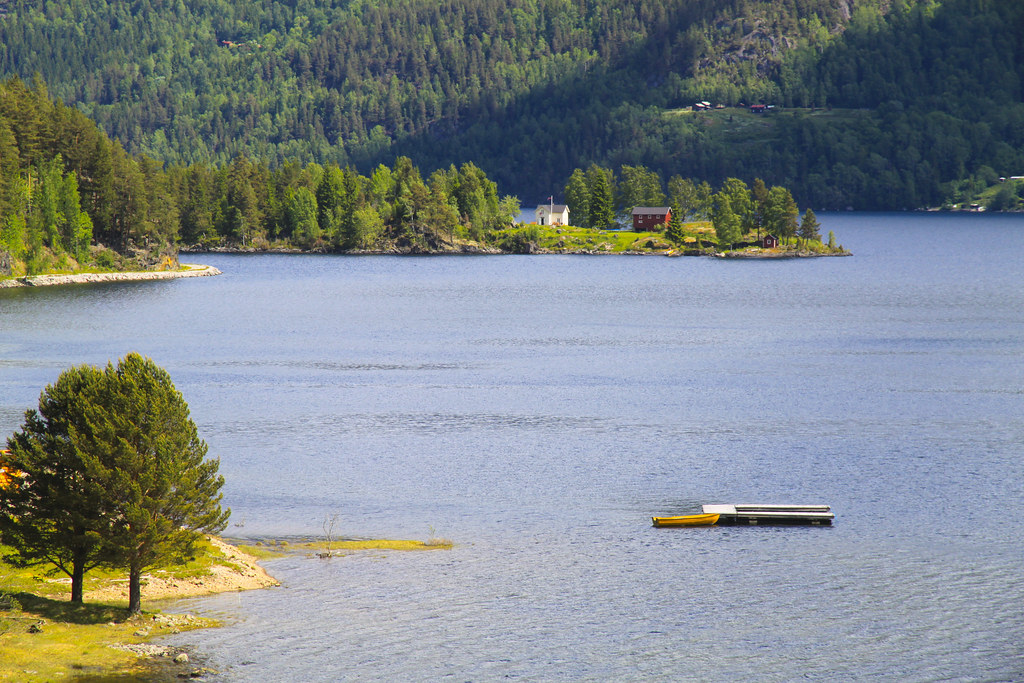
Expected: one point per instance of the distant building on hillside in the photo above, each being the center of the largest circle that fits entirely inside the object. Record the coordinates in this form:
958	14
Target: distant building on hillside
552	214
651	217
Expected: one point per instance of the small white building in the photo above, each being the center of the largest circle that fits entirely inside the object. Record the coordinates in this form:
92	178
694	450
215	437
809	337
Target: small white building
553	214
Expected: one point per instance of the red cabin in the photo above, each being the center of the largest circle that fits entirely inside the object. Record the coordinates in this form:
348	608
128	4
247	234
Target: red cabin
651	217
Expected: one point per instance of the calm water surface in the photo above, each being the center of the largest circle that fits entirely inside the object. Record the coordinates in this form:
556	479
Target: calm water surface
538	411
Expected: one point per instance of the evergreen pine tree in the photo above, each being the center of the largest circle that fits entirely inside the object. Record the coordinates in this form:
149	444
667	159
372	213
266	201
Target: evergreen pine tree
57	513
160	488
809	227
115	474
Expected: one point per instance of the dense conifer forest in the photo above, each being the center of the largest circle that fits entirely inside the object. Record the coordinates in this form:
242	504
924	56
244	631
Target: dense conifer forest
294	123
70	198
878	103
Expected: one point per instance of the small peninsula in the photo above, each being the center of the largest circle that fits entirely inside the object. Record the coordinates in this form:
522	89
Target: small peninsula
91	212
186	270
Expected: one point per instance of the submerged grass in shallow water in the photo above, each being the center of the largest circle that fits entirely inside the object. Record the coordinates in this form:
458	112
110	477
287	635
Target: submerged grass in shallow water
268	550
336	548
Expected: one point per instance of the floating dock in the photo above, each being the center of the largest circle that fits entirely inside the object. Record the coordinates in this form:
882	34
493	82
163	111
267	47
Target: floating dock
754	514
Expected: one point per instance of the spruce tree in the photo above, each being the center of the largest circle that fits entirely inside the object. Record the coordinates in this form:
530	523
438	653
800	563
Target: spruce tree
602	201
674	232
330	193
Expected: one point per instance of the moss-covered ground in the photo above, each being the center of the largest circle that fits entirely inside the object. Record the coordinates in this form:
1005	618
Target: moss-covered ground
44	637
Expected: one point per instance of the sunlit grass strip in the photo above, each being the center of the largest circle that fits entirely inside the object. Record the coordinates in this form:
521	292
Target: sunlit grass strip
571	239
44	637
376	544
46	640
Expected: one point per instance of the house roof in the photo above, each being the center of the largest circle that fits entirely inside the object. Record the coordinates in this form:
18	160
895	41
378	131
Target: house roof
651	209
555	208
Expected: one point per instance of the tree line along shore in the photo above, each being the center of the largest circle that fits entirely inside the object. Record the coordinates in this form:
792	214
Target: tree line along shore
72	200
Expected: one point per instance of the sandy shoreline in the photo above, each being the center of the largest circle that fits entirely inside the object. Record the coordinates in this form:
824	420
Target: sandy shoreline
191	270
239	571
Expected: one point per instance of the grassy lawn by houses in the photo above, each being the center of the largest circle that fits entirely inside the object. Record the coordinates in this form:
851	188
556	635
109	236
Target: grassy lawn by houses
533	238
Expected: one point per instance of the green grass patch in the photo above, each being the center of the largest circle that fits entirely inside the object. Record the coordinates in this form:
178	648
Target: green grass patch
574	240
45	637
740	126
263	552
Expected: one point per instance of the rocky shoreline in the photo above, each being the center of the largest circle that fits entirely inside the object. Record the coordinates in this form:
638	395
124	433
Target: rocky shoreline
189	270
781	254
238	571
536	251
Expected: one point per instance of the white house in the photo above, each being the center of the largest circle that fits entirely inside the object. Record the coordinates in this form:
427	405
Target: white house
553	214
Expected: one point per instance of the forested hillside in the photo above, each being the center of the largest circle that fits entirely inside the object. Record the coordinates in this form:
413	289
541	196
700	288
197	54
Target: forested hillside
65	188
72	199
925	96
345	81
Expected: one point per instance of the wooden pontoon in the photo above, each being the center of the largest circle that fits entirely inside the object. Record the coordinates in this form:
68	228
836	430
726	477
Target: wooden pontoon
750	514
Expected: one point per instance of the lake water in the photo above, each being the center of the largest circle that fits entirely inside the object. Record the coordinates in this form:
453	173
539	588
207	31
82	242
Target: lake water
537	410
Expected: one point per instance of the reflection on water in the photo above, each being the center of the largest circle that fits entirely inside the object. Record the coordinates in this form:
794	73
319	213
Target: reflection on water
539	410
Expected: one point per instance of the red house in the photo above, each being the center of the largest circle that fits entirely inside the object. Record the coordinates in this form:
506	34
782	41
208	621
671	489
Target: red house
651	217
770	242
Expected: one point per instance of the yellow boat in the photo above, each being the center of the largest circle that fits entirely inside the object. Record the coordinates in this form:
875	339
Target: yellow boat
686	520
